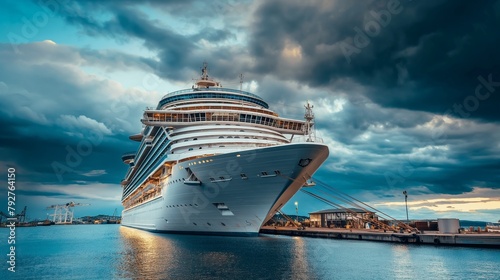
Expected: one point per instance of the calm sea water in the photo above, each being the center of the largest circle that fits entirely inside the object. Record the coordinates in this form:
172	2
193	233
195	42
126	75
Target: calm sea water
114	252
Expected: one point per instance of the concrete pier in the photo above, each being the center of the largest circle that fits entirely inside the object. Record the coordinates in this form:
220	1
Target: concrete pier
490	240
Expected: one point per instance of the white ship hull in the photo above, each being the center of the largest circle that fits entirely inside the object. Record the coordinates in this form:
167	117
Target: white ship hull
238	201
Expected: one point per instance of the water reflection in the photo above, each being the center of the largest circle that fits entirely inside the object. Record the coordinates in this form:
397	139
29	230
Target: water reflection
401	262
300	264
144	255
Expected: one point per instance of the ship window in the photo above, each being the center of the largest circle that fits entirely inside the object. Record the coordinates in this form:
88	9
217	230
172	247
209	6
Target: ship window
195	139
200	148
223	224
243	176
277	172
194	224
212	179
242	130
190	204
236	137
246	137
196	205
230	137
221	137
190	149
209	224
264	173
222	178
221	146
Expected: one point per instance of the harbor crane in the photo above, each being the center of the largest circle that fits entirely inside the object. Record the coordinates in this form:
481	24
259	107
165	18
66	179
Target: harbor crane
21	218
63	213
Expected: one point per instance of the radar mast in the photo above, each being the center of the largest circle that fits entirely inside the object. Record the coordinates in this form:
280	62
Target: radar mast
309	131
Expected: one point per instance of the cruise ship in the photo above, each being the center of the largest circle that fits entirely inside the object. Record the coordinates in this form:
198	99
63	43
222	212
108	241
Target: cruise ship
215	160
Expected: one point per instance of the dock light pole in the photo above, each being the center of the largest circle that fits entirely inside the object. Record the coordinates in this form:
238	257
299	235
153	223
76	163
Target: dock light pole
297	210
406	204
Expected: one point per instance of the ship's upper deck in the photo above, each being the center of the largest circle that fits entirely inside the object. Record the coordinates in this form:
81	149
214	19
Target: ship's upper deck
212	92
207	88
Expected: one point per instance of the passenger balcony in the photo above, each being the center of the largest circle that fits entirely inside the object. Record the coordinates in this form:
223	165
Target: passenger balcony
128	157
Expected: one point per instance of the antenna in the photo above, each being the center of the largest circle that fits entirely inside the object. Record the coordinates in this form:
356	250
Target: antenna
204	71
241	81
308	128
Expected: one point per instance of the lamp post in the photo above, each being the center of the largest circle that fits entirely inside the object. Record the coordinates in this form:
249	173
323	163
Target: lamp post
297	210
406	205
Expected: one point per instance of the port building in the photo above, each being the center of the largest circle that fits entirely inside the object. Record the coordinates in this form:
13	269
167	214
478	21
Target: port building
341	218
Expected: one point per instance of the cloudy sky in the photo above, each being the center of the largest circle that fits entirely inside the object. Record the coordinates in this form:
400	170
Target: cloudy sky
406	93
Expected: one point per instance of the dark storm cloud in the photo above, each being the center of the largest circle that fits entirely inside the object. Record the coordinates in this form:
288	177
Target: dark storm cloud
213	35
427	57
63	125
177	52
